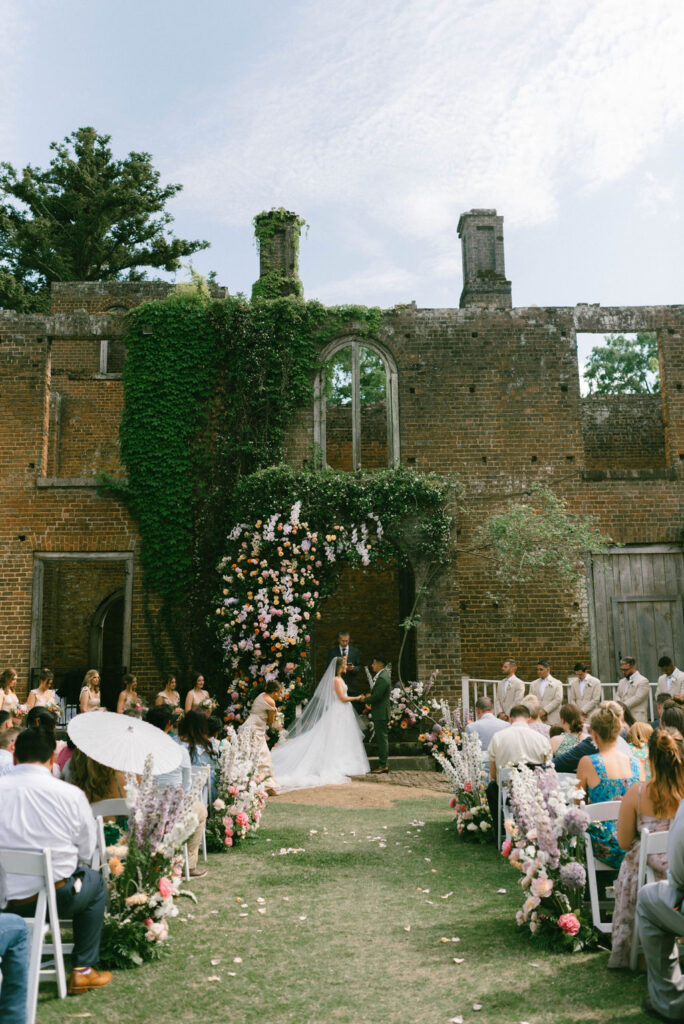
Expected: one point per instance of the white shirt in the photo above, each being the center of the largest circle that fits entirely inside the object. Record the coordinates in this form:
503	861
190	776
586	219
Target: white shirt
6	761
179	774
39	811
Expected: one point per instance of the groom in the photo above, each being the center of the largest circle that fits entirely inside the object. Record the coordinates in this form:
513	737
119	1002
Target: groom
379	700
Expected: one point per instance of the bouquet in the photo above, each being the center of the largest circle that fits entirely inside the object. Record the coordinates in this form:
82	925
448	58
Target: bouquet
547	848
463	768
208	705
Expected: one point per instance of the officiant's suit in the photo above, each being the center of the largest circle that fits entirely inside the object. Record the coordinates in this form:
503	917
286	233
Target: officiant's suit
379	700
352	678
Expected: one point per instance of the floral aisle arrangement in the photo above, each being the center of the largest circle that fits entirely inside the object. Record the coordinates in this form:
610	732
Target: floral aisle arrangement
463	768
547	847
241	798
273	579
446	729
145	870
410	705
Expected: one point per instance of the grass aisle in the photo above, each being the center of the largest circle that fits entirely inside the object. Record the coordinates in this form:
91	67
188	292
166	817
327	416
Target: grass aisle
323	936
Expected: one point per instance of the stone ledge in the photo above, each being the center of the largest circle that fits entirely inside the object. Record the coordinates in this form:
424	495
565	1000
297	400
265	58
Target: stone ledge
66	481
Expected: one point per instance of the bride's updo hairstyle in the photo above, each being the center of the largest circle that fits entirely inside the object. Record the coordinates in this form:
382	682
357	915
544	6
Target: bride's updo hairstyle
666	754
272	686
606	724
339	662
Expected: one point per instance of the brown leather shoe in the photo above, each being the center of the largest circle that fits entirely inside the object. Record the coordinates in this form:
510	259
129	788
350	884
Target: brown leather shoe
380	771
198	872
79	982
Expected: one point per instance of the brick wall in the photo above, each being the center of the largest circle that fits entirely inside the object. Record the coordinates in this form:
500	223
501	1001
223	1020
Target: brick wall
623	431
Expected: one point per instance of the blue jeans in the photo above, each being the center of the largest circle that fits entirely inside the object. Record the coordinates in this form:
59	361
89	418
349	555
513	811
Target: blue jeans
14	950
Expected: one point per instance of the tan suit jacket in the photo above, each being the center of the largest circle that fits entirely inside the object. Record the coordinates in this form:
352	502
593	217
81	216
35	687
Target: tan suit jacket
676	687
513	694
552	699
588	701
633	693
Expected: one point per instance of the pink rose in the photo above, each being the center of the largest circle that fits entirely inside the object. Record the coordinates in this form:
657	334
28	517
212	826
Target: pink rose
506	847
452	802
569	924
228	822
542	887
228	841
165	888
242	819
468	787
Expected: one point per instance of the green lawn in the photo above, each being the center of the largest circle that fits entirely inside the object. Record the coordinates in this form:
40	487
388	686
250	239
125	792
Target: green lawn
333	944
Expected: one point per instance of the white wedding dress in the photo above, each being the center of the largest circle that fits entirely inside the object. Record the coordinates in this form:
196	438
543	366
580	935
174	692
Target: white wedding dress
323	747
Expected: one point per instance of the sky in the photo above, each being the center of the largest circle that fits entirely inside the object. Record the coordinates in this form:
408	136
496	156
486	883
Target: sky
380	123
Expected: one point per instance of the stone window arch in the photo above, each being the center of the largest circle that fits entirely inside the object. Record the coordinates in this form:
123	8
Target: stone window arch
356	405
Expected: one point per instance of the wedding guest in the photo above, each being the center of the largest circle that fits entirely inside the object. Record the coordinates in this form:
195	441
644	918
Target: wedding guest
197	695
40	717
660	702
64	757
513	746
98	781
162	718
43	696
193	735
486	724
6	721
8	697
261	717
89	699
214	728
568	762
650	805
14	952
536	722
585	690
509	690
604	776
41	812
637	738
671	681
129	702
571	725
626	717
7	740
352	674
673	716
633	690
549	692
169	695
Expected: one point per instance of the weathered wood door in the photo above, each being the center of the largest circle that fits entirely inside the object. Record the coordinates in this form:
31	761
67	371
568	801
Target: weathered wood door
635	609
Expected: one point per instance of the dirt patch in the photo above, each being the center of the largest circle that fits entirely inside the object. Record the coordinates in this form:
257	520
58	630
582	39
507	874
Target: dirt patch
360	793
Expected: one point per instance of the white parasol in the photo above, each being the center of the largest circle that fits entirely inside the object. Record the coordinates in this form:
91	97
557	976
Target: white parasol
123	743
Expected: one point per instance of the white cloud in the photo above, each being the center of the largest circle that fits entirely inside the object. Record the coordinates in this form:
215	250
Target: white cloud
12	34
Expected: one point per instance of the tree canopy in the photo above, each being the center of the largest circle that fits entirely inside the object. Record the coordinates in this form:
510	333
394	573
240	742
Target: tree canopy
86	217
624	365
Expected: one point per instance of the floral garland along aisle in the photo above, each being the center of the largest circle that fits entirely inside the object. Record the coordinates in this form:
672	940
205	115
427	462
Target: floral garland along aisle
241	794
463	768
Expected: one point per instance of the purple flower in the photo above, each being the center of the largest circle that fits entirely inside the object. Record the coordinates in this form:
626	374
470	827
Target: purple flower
575	821
573	875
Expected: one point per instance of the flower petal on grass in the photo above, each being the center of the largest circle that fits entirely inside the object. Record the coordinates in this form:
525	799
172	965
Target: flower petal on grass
459	959
456	1020
302	917
213	977
237	959
502	892
477	1006
407	927
215	963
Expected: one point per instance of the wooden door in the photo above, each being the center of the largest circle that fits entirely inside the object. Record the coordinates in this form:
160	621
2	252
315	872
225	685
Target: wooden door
635	609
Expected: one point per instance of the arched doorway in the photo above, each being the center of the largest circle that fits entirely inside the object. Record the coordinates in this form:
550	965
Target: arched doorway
106	646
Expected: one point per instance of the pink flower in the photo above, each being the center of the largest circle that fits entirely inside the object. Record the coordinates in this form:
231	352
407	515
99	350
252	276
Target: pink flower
452	802
468	787
506	847
165	888
542	887
228	822
569	924
242	819
228	841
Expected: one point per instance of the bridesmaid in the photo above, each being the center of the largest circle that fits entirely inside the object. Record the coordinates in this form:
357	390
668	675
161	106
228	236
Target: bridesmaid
89	699
43	696
197	695
129	703
8	699
261	717
169	695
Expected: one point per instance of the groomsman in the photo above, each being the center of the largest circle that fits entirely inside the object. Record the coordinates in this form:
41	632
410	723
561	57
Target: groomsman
633	690
671	681
548	691
585	690
510	690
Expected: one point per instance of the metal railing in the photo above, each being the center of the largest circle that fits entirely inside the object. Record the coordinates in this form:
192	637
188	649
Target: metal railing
473	688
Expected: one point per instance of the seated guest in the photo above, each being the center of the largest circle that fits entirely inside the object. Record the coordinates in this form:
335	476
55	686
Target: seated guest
673	715
604	776
214	727
14	952
39	812
661	921
569	761
660	701
64	757
637	738
649	805
537	715
7	741
6	721
40	717
485	724
98	781
571	724
628	718
517	745
162	718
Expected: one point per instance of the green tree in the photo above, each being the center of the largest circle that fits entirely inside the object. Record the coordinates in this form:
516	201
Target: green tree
87	217
623	366
372	378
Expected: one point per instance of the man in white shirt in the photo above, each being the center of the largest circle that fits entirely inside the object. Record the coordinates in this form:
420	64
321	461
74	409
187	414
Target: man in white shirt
486	725
40	811
7	740
510	690
633	690
518	744
548	691
671	681
585	690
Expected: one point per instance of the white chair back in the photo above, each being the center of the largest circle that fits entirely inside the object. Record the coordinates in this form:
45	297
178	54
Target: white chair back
607	811
650	843
100	810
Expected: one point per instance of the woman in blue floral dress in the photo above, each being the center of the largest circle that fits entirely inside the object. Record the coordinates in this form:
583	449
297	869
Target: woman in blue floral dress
606	776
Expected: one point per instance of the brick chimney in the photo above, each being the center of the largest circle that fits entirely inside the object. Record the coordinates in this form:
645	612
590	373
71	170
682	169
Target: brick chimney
482	245
277	234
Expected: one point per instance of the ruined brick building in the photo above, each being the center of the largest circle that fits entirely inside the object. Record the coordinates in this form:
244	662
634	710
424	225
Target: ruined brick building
485	391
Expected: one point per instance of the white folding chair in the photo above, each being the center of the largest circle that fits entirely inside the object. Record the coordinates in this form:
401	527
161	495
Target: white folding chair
107	809
503	778
607	811
651	842
195	770
38	865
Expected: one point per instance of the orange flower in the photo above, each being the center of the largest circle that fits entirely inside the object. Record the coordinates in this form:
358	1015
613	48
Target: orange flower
115	866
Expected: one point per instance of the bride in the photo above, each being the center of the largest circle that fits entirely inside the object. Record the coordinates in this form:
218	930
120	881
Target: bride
325	746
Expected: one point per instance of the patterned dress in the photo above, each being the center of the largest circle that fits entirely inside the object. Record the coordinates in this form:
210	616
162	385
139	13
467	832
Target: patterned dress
626	888
604	833
568	741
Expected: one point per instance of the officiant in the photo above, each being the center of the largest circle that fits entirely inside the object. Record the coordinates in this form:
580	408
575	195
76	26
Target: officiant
353	677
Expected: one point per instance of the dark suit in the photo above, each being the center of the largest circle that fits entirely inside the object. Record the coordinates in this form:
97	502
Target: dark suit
354	679
379	701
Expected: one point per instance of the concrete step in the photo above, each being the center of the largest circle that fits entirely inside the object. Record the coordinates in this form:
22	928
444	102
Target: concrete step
419	763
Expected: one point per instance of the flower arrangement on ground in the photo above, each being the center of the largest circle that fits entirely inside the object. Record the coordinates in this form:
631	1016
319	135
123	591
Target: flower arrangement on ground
273	580
241	794
463	768
446	729
145	870
410	705
547	847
